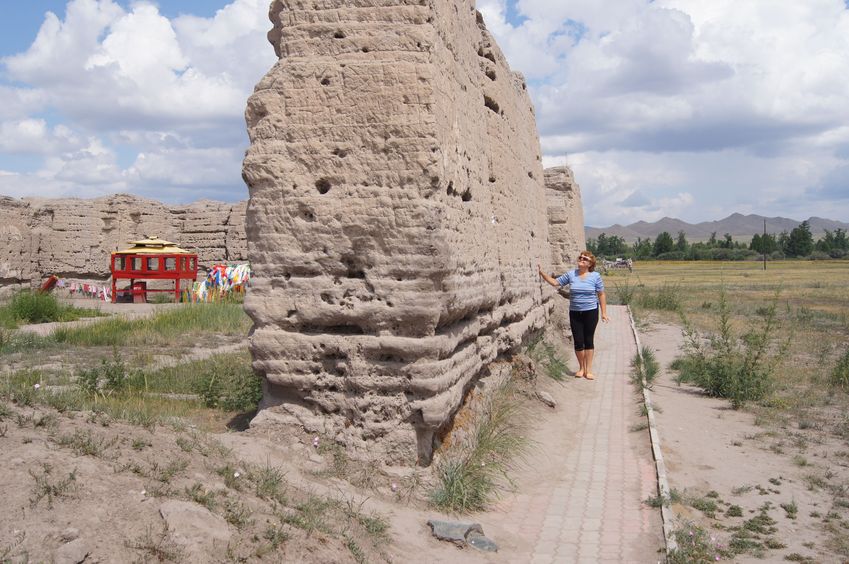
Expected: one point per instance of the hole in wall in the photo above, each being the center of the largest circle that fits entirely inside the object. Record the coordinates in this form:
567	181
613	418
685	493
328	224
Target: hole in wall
490	103
322	185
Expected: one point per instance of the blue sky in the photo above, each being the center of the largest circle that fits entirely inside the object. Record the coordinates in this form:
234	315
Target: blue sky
679	108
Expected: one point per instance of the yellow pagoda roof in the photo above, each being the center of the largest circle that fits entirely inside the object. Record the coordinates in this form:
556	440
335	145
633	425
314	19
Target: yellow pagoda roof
152	246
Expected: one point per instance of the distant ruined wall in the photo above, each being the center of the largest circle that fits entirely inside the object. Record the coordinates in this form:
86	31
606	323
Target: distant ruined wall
565	218
73	238
396	216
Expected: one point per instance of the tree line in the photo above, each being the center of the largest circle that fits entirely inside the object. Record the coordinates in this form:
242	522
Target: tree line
798	243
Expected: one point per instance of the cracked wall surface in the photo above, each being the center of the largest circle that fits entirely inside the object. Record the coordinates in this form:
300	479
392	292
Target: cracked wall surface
396	216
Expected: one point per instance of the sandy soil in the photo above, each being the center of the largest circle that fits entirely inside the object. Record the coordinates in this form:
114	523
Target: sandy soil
78	481
81	484
708	447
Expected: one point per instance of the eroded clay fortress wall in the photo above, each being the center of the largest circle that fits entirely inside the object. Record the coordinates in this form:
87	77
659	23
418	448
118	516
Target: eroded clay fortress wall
396	217
73	238
565	218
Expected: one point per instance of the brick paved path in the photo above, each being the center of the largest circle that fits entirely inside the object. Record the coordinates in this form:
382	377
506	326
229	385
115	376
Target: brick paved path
588	508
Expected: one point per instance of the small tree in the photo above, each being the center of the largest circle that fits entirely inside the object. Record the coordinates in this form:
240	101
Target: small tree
663	243
756	244
740	368
800	243
681	242
642	248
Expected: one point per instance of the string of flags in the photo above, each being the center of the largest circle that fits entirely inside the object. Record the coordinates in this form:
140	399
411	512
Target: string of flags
94	291
221	282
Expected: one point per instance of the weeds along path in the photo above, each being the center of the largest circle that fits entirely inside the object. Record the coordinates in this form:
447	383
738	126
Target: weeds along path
763	490
129	311
579	497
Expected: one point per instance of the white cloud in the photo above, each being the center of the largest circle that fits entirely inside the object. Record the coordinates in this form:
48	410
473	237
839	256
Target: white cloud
143	47
690	108
33	136
167	95
61	47
94	164
188	167
107	67
18	102
233	42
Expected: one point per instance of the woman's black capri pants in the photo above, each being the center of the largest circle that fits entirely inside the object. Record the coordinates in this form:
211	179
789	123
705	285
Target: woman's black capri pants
583	325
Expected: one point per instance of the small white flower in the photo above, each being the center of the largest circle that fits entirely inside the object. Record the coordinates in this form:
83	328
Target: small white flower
144	492
37	386
236	474
315	442
394	487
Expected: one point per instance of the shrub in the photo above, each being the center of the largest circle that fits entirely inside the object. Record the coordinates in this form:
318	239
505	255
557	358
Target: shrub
111	376
230	385
840	373
695	545
625	291
667	297
739	368
33	307
671	255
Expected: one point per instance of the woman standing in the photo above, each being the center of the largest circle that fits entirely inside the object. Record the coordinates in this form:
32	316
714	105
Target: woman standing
587	297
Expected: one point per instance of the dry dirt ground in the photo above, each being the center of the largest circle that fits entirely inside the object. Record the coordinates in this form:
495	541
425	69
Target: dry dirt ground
730	469
81	485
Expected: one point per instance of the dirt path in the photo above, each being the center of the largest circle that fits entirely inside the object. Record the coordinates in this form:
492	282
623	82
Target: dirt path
716	454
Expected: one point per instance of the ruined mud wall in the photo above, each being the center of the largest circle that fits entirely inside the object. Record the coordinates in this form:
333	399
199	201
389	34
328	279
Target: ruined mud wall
73	238
396	217
565	218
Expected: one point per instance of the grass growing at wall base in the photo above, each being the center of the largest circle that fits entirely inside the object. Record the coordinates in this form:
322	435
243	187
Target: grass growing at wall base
544	354
470	471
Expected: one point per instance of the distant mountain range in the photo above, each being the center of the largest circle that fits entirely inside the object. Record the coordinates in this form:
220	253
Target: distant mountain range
740	227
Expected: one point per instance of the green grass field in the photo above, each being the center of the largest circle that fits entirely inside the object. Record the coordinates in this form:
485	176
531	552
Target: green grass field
812	299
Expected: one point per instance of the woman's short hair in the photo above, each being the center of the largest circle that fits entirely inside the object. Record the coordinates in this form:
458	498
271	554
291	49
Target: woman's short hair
590	256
